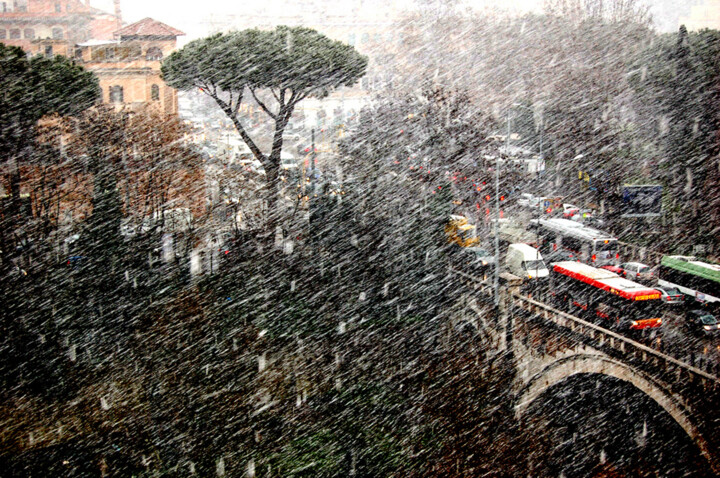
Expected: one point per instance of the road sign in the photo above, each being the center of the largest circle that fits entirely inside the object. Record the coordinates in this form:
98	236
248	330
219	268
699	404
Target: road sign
642	200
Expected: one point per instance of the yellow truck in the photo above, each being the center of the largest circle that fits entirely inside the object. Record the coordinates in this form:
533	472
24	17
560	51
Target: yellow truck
459	231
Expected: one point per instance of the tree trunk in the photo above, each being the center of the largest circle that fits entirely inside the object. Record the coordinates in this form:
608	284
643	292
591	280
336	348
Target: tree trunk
272	171
11	219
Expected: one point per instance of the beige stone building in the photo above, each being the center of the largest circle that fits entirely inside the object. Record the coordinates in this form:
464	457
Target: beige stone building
53	27
129	65
125	59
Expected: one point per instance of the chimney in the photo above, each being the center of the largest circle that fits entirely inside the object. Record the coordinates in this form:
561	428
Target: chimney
118	14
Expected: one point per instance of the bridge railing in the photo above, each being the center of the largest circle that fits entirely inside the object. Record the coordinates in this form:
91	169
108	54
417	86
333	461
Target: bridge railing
677	373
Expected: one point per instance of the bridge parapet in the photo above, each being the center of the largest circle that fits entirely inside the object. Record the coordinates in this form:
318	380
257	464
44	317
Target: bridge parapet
549	345
690	395
677	374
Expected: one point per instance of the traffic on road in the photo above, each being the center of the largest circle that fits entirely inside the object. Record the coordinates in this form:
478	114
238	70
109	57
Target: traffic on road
564	258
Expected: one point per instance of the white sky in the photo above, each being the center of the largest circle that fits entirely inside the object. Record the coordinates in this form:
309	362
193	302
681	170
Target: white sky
187	15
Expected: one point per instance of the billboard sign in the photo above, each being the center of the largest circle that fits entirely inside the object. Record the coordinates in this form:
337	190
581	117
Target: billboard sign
642	200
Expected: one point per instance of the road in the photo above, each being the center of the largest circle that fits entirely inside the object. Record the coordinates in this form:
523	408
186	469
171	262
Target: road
678	341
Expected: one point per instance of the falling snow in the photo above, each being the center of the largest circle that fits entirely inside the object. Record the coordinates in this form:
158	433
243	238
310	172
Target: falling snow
407	238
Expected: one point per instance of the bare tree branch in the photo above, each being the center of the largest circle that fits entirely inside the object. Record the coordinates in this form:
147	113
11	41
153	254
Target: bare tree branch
228	110
237	105
262	105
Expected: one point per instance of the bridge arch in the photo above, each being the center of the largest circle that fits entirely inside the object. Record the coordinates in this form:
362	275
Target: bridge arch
564	368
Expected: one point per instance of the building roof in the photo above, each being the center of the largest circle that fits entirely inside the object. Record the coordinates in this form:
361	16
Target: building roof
147	27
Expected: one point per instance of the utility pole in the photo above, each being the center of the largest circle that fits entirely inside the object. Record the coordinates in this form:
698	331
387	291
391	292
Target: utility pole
313	158
496	281
542	158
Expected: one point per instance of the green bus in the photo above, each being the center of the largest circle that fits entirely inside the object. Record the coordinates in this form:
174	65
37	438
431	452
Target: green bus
692	277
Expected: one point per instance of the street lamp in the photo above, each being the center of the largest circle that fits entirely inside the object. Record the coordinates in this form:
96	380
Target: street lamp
542	157
496	275
496	281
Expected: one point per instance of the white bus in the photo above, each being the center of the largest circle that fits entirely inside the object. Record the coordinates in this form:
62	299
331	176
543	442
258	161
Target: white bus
588	244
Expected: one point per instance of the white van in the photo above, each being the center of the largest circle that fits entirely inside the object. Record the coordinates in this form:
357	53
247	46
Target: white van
287	161
235	151
525	261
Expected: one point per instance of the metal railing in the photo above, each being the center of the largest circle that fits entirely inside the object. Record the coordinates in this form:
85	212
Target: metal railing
678	373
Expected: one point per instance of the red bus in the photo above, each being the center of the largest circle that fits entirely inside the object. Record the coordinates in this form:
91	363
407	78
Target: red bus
605	297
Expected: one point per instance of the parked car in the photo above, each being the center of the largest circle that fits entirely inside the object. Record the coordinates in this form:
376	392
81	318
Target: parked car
637	271
304	148
703	322
528	200
586	216
478	258
593	221
671	295
569	210
613	268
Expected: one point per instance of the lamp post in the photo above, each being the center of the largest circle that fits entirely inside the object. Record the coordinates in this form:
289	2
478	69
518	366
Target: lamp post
496	275
542	135
496	281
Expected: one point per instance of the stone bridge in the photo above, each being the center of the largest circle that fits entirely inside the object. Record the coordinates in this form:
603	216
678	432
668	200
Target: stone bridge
548	346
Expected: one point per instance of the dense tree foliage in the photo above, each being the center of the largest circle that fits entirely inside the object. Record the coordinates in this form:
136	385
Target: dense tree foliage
677	97
30	89
35	87
268	365
84	276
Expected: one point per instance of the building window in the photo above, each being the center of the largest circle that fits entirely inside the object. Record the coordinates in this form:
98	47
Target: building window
58	8
351	39
78	53
155	92
48	50
3	34
365	38
57	33
14	33
29	34
116	94
110	54
154	54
